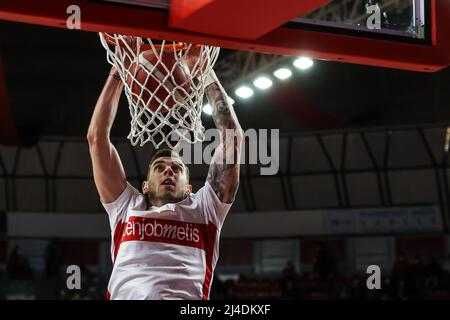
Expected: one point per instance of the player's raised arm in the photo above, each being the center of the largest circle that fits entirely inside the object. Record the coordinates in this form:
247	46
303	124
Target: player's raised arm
109	175
223	173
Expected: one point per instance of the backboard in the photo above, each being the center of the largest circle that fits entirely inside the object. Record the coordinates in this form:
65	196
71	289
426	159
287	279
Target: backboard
404	34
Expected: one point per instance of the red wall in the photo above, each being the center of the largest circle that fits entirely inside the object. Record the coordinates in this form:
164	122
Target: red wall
427	247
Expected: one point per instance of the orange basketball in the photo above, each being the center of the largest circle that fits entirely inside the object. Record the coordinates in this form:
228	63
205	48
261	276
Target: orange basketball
161	77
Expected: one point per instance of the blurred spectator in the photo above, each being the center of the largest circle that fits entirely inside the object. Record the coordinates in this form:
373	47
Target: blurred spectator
446	265
415	278
229	291
342	291
388	290
358	289
217	289
18	266
13	264
324	264
446	273
433	274
289	287
417	266
433	267
400	273
53	258
401	267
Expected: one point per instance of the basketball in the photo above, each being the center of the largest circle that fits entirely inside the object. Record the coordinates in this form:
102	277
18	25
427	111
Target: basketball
164	76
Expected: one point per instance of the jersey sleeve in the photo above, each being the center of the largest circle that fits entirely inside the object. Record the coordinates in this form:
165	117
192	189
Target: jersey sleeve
118	208
212	206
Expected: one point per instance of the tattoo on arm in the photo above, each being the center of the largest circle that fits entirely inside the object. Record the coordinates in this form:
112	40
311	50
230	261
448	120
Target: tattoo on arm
223	173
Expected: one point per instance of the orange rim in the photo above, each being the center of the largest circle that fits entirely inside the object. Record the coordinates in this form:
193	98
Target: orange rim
178	47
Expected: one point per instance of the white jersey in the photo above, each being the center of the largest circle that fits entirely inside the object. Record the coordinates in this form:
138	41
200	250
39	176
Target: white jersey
166	252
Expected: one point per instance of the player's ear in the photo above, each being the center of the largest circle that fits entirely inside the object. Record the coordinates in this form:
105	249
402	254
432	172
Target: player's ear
189	188
145	187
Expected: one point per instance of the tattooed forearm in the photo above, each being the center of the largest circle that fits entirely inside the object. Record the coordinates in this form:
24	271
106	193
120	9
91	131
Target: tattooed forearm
223	173
224	181
223	113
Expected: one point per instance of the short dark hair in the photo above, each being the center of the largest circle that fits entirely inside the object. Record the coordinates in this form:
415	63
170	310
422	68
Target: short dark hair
166	152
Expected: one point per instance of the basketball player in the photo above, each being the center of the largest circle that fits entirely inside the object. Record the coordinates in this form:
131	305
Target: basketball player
165	240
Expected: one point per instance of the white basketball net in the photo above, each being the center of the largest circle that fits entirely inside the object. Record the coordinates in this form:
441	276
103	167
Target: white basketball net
176	114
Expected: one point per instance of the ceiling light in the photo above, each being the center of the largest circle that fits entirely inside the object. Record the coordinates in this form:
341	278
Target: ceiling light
282	73
207	109
263	83
244	92
303	63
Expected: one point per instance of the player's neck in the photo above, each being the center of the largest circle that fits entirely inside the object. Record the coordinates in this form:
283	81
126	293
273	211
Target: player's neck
159	202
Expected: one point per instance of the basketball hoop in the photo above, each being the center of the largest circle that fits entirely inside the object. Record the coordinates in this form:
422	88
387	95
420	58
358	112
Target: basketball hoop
164	85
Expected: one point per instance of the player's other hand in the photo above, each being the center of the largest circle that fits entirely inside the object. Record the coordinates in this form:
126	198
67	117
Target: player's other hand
131	43
129	48
196	59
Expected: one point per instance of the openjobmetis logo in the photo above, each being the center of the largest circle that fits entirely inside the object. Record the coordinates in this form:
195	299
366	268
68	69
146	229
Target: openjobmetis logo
168	231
